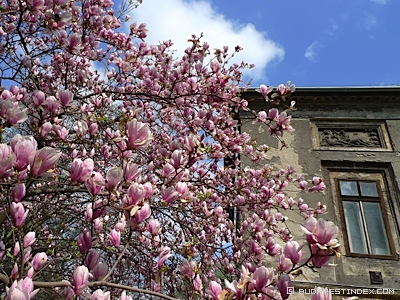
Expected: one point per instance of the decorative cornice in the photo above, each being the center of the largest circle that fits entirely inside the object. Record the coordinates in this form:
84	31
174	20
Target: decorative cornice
312	101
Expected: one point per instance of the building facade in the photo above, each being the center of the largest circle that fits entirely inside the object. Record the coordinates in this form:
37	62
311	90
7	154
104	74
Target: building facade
351	138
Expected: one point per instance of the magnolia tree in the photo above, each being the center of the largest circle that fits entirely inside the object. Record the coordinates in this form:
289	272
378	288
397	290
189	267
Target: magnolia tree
115	187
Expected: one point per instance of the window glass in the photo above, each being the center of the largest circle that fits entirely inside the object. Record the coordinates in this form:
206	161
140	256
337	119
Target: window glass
355	230
368	189
348	188
376	228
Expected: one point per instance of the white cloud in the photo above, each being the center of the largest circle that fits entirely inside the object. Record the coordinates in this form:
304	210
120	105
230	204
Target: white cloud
312	51
369	21
179	19
381	2
333	27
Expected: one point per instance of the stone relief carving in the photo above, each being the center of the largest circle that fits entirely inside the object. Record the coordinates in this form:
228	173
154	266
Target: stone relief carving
350	138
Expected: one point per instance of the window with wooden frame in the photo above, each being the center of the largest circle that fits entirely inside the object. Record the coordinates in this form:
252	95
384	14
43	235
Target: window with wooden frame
364	214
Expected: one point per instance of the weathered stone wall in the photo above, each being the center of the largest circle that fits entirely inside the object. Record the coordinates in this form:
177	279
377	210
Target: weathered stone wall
342	130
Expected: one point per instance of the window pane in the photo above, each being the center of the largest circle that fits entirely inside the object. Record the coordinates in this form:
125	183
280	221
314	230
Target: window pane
348	188
355	231
376	228
368	189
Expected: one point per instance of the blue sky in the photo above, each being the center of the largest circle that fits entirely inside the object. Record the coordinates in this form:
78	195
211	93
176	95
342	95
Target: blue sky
311	43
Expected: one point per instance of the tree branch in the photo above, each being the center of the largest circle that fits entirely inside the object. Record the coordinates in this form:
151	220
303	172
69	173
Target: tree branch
64	283
48	190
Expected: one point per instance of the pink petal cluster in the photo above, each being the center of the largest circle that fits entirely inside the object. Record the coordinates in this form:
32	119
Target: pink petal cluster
81	170
139	134
18	213
21	290
321	232
44	159
81	278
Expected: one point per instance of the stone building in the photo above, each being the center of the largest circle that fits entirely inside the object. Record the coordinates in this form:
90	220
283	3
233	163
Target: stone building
350	136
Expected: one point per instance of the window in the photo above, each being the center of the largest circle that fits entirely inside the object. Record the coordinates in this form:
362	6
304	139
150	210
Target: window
363	207
363	217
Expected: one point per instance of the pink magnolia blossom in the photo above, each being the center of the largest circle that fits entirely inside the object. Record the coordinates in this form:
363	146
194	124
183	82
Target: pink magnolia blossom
27	285
17	249
74	42
65	97
100	295
139	134
265	90
31	270
318	185
95	183
51	104
292	251
154	227
24	149
177	159
100	270
26	258
7	160
39	260
262	116
287	89
131	171
233	286
115	238
38	98
273	114
45	159
29	239
84	241
165	253
98	225
45	129
92	259
66	293
124	296
169	195
89	213
114	177
81	170
181	188
149	190
14	271
168	169
283	284
81	278
60	131
214	290
17	292
18	192
136	193
322	232
285	264
143	213
36	4
80	128
321	257
262	277
284	122
13	114
18	213
187	268
197	284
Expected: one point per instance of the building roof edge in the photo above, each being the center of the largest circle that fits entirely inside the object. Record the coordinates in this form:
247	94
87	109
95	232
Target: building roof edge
389	88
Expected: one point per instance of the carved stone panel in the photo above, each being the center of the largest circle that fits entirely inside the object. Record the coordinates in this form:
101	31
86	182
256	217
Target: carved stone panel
350	134
349	138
